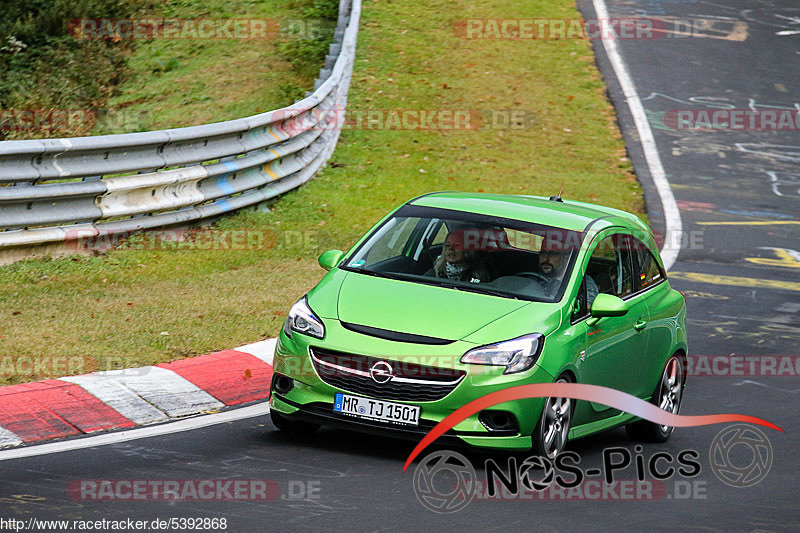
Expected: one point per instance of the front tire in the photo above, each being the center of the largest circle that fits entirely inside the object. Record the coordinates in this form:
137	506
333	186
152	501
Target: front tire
552	430
667	396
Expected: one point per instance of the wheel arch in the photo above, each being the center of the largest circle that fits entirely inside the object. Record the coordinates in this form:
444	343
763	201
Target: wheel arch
681	353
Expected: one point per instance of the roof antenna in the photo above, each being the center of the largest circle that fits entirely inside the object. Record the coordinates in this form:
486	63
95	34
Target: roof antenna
558	197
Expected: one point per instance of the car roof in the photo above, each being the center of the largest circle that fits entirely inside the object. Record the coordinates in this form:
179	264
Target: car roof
568	214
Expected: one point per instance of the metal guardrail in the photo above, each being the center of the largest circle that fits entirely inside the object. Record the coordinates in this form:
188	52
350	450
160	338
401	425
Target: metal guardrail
138	181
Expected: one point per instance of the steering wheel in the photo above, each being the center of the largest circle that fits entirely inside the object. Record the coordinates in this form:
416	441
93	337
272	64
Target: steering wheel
538	276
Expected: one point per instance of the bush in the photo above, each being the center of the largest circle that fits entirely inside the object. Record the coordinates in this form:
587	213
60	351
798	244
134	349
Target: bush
307	52
43	67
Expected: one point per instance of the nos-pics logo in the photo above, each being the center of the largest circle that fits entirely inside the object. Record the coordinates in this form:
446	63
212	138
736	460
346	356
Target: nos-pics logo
445	481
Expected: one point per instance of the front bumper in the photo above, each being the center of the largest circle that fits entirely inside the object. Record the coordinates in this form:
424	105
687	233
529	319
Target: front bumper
311	398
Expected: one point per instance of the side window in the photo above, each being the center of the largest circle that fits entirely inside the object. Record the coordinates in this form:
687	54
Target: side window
581	308
647	270
608	272
609	269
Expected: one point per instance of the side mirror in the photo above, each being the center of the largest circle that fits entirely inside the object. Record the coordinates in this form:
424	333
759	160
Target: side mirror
330	259
606	305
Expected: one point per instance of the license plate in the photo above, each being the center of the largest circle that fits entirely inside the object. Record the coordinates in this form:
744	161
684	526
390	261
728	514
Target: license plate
389	412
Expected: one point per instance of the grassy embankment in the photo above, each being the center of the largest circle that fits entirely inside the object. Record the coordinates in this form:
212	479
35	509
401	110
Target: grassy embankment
144	307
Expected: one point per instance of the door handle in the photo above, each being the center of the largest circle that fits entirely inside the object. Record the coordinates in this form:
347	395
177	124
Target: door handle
640	325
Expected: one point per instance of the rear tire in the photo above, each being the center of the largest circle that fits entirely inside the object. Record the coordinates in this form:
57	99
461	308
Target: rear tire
552	430
297	427
667	396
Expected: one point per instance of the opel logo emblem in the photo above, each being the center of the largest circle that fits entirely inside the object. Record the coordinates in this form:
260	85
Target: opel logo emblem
381	372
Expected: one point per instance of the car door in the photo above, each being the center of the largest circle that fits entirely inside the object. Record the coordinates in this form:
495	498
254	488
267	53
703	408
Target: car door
663	307
615	346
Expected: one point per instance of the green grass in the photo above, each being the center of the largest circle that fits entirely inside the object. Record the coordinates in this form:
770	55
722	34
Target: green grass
114	307
184	82
42	67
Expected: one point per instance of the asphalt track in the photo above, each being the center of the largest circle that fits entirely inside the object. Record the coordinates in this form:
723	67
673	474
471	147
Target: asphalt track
735	306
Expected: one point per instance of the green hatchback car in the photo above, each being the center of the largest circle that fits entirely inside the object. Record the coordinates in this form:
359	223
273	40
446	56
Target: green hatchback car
453	296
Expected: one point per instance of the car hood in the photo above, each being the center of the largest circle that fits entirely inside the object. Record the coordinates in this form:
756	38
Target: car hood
417	308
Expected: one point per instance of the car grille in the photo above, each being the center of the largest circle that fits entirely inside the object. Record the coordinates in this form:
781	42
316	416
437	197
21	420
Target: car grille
410	382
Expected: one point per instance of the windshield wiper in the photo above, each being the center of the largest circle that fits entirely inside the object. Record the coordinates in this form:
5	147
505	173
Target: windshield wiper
397	276
373	273
481	289
437	282
484	290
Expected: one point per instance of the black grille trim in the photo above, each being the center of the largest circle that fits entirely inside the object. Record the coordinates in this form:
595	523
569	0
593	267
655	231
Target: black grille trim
396	336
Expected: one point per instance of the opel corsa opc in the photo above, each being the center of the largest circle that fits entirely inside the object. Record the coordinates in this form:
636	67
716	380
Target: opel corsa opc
453	296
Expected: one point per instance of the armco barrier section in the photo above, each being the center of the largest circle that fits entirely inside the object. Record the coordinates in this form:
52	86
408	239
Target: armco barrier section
55	190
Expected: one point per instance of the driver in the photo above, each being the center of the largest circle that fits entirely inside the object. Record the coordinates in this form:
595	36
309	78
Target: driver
553	261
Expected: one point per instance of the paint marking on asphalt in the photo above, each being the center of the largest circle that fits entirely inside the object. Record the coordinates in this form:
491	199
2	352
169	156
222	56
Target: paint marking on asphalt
188	424
787	258
751	382
750	283
113	393
672	215
264	350
788	307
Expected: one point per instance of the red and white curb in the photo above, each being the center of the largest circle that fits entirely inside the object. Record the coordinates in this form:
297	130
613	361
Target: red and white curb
100	401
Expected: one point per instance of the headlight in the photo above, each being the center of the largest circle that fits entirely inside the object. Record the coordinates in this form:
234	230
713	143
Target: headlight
303	320
516	355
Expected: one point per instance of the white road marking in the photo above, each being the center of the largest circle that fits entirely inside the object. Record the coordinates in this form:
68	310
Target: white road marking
794	254
674	225
782	152
264	350
165	390
751	382
792	20
178	426
789	307
7	438
711	17
110	391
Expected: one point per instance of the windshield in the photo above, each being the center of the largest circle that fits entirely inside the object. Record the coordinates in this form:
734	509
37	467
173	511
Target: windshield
470	252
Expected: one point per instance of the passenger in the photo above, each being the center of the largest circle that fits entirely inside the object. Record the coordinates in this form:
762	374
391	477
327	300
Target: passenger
456	263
